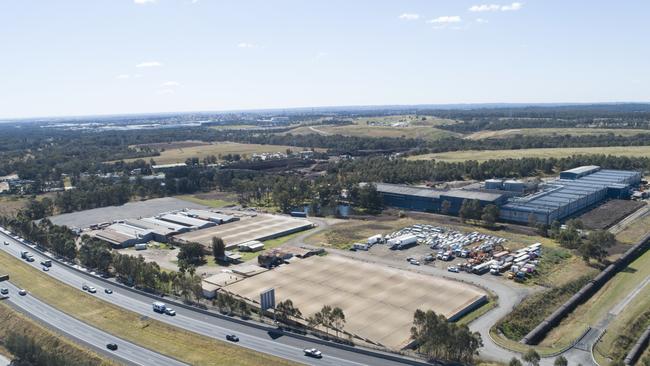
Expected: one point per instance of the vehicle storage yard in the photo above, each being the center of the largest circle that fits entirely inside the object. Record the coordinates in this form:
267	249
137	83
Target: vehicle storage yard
378	301
258	227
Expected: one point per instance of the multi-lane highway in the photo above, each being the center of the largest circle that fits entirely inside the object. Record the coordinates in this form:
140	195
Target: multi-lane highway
261	340
126	352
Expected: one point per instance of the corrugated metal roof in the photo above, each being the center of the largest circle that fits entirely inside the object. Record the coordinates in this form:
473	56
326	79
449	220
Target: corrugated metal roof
408	190
472	195
582	169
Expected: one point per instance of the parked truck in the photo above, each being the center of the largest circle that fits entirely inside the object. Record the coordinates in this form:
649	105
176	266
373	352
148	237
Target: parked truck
402	242
375	239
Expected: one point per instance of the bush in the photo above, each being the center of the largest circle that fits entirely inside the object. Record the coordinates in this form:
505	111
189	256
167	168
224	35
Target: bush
535	308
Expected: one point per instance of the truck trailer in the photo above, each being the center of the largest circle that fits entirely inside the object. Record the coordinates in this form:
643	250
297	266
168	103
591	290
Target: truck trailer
402	242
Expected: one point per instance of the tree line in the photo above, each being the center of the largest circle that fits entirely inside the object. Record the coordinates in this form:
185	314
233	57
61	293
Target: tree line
439	339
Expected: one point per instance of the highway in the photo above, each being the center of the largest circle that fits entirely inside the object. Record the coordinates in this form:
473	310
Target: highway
284	346
127	353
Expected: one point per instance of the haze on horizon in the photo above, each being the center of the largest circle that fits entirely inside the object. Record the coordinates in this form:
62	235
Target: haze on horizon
75	57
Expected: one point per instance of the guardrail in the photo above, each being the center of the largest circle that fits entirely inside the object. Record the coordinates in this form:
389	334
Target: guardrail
367	352
540	331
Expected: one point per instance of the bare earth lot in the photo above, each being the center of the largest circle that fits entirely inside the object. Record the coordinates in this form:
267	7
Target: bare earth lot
609	213
378	301
260	227
554	132
129	210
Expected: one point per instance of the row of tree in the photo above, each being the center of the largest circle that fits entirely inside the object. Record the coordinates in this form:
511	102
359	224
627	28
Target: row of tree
437	338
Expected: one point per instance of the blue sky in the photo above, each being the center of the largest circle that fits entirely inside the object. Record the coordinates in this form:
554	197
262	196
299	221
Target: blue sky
84	57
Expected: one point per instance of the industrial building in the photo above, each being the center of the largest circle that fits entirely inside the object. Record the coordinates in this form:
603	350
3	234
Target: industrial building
161	232
575	191
208	216
122	235
427	199
192	223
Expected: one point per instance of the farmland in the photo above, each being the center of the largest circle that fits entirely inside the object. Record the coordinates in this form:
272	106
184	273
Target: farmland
388	126
178	154
484	155
553	132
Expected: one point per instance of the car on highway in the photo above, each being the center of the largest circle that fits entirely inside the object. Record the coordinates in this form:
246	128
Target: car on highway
232	338
6	243
453	269
22	292
92	290
313	352
112	346
4	291
84	287
108	291
46	269
170	311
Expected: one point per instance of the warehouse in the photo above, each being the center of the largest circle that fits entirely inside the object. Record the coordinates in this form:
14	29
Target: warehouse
186	221
122	235
208	216
427	199
161	233
575	191
167	224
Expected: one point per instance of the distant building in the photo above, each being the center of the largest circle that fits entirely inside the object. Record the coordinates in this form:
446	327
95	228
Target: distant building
164	167
122	235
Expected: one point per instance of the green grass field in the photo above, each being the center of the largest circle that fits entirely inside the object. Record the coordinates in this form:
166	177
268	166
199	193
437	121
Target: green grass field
603	301
179	155
206	199
363	127
458	156
46	338
635	231
554	132
269	244
146	332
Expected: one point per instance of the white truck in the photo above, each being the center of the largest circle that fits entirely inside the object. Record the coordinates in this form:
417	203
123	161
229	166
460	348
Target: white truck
375	239
27	256
403	241
160	307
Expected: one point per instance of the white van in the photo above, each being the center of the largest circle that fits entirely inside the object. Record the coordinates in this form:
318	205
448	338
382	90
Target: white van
159	307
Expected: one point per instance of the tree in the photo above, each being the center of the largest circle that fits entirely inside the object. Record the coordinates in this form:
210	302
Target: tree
218	248
338	319
439	339
514	362
286	309
560	361
596	245
490	215
369	199
191	253
531	357
444	207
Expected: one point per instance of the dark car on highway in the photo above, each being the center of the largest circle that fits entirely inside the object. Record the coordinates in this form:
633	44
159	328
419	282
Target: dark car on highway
112	346
232	338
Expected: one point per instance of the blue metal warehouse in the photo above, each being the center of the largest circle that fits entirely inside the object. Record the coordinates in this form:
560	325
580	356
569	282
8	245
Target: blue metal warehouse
576	190
427	199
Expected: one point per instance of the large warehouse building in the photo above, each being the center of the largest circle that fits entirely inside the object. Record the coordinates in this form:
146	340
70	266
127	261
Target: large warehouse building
575	191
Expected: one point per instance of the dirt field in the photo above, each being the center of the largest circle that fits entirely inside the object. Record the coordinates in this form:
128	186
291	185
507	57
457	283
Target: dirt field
173	145
260	227
609	213
180	154
635	231
552	132
456	156
378	301
211	199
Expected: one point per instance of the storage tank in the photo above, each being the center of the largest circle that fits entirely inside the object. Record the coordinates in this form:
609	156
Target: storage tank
494	184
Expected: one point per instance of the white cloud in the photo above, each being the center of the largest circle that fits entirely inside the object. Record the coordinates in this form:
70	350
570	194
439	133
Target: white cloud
123	76
481	20
495	7
447	19
409	16
165	91
246	45
143	2
170	84
512	7
149	64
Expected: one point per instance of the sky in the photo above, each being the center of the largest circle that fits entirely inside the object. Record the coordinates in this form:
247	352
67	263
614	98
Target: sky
89	57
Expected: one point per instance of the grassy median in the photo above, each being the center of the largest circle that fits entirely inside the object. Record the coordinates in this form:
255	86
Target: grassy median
14	322
174	342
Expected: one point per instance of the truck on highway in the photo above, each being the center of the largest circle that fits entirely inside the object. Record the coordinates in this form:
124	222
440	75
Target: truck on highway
26	256
46	263
4	277
159	307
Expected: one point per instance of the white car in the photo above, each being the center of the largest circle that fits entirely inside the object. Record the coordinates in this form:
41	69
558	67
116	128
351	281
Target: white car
170	311
92	290
453	269
313	352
